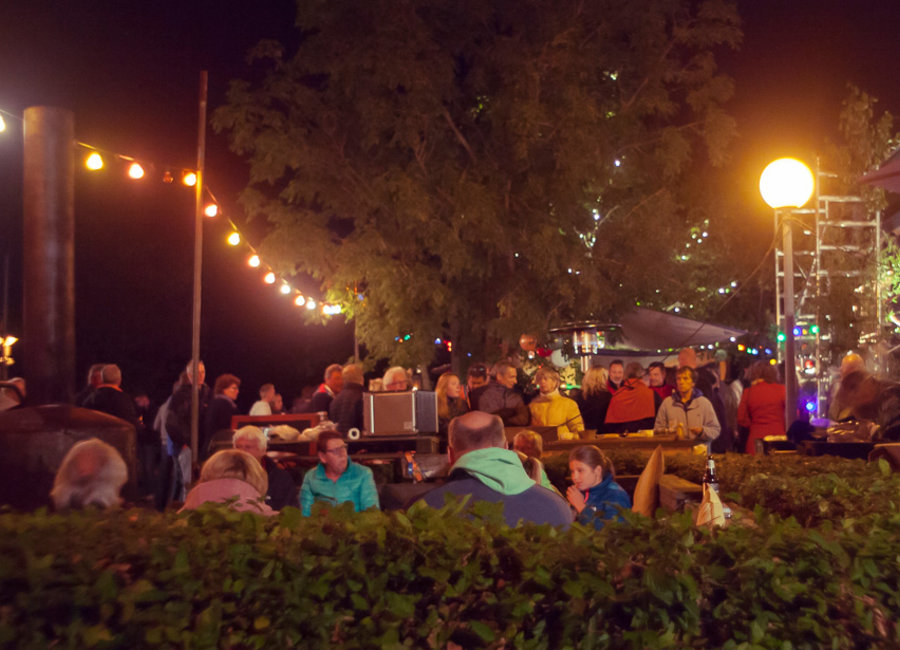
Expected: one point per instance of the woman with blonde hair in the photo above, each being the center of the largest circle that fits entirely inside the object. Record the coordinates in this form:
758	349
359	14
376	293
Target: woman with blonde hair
450	401
551	409
231	476
593	399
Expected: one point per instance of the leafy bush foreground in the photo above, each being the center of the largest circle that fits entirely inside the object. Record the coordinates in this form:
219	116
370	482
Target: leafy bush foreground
430	578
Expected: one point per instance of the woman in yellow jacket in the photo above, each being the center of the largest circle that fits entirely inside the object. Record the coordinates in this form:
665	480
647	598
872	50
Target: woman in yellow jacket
551	409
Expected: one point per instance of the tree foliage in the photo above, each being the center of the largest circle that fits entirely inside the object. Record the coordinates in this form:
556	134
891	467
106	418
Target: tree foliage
477	169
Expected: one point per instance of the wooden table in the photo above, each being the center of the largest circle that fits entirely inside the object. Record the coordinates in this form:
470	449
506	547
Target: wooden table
669	443
842	449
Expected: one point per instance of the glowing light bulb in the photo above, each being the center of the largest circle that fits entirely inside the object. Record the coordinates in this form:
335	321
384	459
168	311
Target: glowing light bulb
94	162
189	179
285	289
211	210
2	124
253	261
310	304
135	171
299	301
270	278
234	239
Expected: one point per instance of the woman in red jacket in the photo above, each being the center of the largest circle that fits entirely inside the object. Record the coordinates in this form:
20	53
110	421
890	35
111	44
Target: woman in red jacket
762	404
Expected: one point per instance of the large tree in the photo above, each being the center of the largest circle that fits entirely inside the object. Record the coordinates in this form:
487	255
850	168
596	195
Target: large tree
479	168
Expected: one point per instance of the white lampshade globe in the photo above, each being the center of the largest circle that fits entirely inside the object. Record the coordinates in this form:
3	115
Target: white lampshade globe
786	182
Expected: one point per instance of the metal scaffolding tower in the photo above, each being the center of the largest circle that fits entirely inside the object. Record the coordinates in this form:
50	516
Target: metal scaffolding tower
836	238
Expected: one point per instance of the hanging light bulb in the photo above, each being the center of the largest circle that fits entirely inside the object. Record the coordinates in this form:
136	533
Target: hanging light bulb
285	289
189	179
94	161
253	261
234	239
135	171
299	301
211	210
2	124
270	278
310	304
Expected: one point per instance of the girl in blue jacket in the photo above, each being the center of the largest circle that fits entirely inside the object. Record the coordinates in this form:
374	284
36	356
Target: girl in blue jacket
595	495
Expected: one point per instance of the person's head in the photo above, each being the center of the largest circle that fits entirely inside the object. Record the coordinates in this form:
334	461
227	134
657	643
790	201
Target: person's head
267	392
227	385
764	371
474	430
529	443
685	379
93	377
616	371
547	380
657	373
448	385
332	452
476	376
91	474
532	466
634	370
334	377
142	401
353	374
594	381
277	403
851	362
251	440
505	373
687	357
111	374
395	379
588	466
201	372
234	463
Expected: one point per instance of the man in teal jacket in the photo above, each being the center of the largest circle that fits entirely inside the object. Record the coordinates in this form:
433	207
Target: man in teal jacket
336	478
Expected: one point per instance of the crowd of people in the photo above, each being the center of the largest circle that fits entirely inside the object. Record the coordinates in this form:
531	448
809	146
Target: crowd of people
689	400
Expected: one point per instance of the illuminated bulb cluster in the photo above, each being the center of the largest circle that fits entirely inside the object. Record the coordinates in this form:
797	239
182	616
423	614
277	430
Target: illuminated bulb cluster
94	161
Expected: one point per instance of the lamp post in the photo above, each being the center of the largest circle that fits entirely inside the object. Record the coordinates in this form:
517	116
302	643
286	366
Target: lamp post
787	183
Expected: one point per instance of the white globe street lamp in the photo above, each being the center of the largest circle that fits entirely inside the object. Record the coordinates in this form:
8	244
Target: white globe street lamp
787	183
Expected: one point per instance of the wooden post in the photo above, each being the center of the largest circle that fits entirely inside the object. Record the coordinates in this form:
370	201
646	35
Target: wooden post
48	337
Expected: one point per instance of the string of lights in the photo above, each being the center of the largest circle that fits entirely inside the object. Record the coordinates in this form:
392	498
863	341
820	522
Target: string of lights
136	168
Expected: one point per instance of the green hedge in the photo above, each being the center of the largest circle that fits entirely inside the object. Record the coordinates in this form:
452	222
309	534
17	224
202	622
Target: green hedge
218	579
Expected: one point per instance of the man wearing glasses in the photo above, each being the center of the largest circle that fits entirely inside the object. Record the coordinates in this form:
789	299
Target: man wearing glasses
336	478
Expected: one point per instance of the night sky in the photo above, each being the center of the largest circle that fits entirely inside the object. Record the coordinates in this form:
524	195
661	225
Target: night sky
130	70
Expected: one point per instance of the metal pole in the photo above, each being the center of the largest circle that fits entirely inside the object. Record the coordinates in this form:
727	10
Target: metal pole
198	271
790	363
49	254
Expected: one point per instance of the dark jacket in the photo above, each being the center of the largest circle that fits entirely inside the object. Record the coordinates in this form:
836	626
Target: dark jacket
321	400
346	410
109	399
496	398
217	417
178	417
536	504
593	409
282	491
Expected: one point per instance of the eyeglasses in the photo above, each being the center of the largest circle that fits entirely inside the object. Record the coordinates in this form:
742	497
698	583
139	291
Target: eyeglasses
337	450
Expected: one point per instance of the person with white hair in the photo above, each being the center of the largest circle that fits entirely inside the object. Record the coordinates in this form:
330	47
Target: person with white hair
281	491
91	474
395	379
